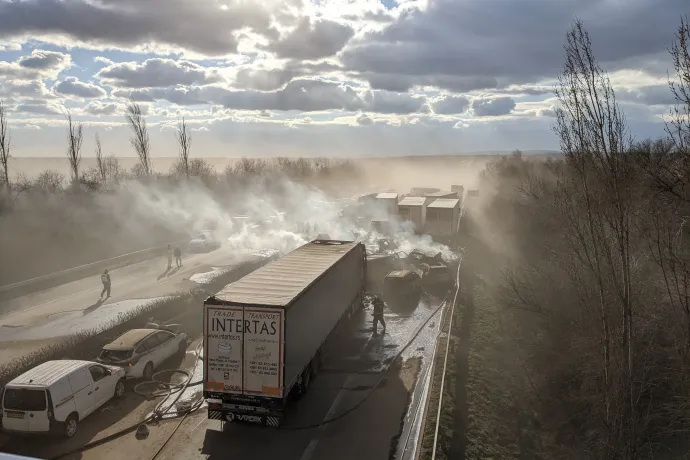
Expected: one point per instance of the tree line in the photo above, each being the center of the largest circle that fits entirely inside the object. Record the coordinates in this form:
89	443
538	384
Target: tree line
594	293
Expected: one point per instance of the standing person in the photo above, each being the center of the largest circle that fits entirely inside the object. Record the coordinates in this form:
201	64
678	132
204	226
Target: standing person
178	257
170	257
105	279
378	315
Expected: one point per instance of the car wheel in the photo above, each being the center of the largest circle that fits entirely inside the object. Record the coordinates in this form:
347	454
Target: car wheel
120	388
70	426
148	371
182	347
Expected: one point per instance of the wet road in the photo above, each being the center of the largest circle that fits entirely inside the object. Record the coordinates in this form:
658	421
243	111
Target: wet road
30	322
352	369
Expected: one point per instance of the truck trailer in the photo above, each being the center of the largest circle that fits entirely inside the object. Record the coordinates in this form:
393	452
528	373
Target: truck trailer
264	334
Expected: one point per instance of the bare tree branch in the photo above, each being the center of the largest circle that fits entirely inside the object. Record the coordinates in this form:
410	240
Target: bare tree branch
140	136
5	143
184	139
75	137
99	160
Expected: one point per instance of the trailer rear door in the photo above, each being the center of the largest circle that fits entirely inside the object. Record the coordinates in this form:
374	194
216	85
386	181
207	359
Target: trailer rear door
223	343
263	351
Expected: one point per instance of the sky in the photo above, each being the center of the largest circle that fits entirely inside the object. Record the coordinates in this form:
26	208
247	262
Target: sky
320	77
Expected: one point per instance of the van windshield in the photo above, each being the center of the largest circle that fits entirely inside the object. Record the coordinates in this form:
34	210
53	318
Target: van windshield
25	399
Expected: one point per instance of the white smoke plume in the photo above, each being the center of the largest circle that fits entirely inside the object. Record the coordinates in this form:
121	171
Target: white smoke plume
281	217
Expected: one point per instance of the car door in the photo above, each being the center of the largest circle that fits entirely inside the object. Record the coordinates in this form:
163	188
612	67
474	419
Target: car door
152	350
82	388
167	345
103	386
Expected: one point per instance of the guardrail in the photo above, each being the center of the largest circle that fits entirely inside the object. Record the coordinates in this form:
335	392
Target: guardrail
39	283
447	322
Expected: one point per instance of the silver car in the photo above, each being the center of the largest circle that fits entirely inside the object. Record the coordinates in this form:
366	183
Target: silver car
141	351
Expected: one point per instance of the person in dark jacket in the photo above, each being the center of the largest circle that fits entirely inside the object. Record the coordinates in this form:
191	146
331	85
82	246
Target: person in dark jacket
178	257
378	315
105	279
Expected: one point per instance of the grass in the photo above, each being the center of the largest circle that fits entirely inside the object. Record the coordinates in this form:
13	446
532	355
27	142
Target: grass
500	423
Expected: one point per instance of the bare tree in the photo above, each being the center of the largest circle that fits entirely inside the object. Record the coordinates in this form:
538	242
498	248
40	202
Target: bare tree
679	127
184	139
75	137
140	136
594	140
99	160
5	139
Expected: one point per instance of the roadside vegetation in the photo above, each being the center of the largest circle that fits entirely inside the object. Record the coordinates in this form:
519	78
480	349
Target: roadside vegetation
580	340
52	222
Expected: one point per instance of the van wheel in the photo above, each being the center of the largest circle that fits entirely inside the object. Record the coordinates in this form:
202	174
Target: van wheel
148	371
120	388
70	426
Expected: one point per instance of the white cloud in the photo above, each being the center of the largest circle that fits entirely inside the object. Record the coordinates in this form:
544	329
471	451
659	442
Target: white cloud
40	63
157	72
71	86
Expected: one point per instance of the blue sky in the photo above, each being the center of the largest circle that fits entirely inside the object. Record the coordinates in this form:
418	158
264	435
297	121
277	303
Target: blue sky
299	77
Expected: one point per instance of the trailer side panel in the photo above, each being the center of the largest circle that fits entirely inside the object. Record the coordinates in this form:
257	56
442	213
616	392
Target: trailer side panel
314	315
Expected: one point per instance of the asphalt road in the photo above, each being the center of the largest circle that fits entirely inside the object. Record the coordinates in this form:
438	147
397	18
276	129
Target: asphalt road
33	321
356	362
353	367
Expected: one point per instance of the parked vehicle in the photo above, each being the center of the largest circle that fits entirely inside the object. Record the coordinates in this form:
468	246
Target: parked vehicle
264	334
141	351
203	242
58	395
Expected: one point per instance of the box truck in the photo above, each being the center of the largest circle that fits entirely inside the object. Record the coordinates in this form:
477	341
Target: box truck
264	334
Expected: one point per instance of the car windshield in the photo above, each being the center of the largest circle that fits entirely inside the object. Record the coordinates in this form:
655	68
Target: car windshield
115	355
24	399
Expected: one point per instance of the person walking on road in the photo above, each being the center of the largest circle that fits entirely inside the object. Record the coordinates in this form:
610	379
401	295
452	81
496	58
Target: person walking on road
105	279
378	315
170	257
178	257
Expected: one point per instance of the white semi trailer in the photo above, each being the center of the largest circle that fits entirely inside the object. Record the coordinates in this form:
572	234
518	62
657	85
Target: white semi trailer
264	334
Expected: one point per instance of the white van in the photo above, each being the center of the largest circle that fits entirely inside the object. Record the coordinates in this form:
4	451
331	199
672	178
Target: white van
57	395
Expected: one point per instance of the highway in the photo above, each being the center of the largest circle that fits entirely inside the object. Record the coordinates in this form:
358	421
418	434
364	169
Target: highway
352	369
36	320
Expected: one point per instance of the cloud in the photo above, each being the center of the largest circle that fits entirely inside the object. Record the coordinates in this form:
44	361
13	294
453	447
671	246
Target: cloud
450	105
453	44
205	26
157	72
44	60
39	64
24	88
312	40
493	107
39	108
71	86
363	119
98	108
301	95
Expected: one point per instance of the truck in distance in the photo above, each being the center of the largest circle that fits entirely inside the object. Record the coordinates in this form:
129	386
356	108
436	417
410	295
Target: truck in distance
264	334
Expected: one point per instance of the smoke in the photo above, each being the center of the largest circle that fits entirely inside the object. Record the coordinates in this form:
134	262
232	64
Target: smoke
276	214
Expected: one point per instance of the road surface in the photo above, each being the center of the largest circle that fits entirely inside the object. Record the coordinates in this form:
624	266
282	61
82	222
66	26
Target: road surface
351	370
33	321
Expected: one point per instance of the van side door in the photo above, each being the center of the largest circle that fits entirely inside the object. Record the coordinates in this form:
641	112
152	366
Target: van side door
103	385
82	387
